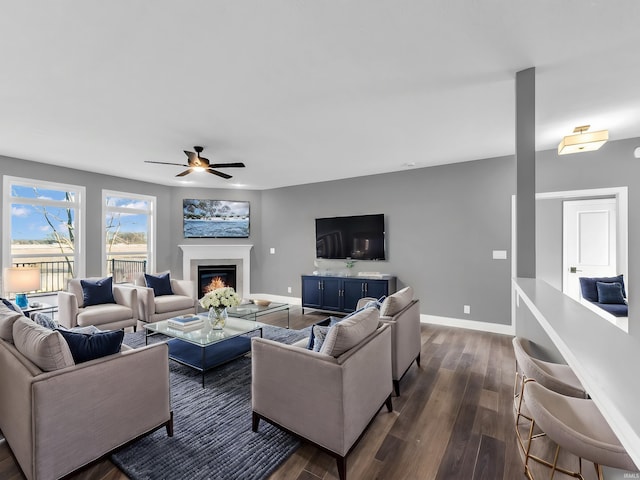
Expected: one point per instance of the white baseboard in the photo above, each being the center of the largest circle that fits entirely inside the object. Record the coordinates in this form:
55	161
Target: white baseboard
434	319
470	324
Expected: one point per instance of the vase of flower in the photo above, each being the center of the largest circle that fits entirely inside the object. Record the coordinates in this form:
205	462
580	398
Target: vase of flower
218	318
217	301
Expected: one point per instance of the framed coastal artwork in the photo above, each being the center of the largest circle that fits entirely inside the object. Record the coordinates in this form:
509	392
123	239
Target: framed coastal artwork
204	218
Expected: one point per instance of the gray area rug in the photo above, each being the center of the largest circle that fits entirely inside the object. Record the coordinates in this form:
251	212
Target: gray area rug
212	426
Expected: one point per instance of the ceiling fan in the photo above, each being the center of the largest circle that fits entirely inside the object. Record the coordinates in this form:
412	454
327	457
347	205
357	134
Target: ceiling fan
196	163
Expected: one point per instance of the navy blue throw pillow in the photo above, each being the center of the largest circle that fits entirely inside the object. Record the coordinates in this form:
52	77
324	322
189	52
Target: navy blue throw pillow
97	292
161	284
610	292
590	290
85	347
10	305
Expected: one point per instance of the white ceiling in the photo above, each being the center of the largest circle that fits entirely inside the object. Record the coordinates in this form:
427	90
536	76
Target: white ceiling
305	90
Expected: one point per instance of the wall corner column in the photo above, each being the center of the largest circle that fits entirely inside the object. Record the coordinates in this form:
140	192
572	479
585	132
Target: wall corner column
526	173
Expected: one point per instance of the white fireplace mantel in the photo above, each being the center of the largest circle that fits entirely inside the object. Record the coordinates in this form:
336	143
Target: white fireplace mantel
240	253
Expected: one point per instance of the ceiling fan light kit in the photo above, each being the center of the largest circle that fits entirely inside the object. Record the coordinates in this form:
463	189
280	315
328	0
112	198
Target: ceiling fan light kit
583	141
196	163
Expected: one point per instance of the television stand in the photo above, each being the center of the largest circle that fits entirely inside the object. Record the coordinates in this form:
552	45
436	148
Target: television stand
341	294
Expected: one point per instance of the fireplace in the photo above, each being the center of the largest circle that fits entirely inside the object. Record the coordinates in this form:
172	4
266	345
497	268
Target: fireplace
238	255
211	277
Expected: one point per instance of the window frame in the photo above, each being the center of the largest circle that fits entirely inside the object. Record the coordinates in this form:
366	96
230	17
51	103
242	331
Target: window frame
151	223
78	204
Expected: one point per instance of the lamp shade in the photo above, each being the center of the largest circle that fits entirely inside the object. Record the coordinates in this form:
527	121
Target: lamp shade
583	142
21	279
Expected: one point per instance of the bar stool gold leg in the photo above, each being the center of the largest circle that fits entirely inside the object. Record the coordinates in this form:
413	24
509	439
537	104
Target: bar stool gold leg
598	471
555	462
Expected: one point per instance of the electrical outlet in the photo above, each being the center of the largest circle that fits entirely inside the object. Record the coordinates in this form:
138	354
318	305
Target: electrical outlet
467	309
289	290
272	250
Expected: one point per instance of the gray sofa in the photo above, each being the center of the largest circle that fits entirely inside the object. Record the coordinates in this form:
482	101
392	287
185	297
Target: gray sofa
326	398
402	313
59	420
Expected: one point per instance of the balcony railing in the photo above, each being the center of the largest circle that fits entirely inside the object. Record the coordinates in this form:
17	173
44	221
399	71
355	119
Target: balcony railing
54	275
125	271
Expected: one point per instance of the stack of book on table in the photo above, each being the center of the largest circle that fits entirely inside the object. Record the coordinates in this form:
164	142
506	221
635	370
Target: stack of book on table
186	323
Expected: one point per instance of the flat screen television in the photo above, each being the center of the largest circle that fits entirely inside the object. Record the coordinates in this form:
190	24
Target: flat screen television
359	237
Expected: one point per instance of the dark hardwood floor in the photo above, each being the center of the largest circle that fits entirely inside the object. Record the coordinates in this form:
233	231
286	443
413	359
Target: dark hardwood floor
453	420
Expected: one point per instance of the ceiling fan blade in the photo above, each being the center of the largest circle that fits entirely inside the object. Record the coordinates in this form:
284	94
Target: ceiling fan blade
193	157
224	165
186	172
167	163
220	174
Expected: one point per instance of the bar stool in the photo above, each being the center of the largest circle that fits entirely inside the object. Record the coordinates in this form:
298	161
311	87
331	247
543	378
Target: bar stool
577	426
555	376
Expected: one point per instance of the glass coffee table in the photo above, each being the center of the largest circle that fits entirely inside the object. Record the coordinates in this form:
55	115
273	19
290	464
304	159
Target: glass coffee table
205	348
251	311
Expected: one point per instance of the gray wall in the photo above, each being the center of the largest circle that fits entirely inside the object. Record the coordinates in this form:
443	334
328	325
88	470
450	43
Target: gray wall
612	166
94	184
549	241
442	224
528	327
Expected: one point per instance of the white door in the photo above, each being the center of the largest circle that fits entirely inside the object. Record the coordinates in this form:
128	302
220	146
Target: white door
589	242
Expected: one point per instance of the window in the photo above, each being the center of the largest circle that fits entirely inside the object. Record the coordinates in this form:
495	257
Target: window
45	224
128	232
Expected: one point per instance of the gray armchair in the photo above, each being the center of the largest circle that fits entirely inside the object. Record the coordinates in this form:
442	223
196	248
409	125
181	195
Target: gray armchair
402	313
326	400
152	308
107	316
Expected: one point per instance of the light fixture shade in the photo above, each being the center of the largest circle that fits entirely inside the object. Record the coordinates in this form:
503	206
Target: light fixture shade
21	279
583	142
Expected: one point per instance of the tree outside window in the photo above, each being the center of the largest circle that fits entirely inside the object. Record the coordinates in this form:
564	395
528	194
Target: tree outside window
43	219
128	232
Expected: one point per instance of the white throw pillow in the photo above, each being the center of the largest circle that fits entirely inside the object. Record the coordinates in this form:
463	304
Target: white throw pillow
347	333
46	348
396	302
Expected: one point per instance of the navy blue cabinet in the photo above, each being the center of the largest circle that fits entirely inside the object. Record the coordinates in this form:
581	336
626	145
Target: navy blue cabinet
356	288
341	294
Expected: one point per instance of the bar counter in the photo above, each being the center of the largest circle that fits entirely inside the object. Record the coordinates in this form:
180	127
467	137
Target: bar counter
605	358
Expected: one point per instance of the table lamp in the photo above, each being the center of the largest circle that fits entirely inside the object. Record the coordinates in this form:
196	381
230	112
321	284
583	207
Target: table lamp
21	280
